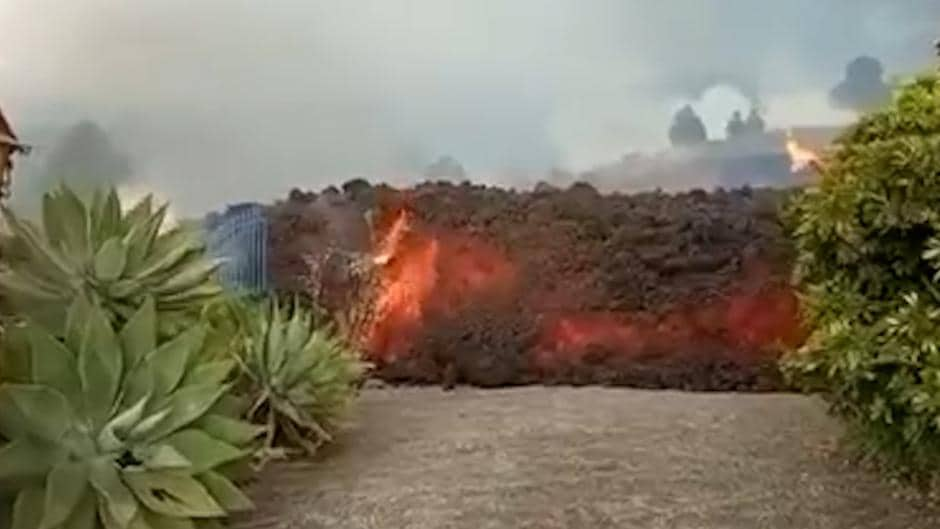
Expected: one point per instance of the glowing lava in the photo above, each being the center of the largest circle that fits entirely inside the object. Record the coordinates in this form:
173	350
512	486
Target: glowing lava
801	158
746	324
420	273
424	274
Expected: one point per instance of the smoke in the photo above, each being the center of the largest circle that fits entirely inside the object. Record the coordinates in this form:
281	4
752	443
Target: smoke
863	87
82	156
224	100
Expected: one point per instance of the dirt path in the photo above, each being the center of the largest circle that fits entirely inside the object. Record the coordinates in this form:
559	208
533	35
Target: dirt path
545	458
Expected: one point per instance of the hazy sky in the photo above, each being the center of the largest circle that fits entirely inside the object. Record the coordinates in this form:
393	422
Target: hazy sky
224	100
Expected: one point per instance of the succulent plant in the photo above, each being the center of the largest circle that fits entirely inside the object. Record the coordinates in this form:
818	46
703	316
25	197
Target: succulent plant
229	319
113	257
116	430
301	378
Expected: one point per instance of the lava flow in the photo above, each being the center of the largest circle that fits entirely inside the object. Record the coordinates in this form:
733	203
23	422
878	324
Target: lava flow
749	326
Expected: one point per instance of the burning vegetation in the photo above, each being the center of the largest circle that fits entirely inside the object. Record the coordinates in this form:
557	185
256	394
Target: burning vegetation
469	284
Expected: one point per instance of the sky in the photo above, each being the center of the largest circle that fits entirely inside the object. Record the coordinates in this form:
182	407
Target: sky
220	101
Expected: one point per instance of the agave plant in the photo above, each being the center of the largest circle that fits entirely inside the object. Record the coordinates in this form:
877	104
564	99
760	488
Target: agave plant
301	378
230	319
113	257
115	430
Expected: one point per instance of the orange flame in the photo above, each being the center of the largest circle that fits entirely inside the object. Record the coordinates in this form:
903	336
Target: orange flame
411	282
801	158
388	246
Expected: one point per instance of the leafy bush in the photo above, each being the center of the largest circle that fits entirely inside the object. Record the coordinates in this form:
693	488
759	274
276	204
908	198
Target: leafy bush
868	264
113	257
299	376
115	430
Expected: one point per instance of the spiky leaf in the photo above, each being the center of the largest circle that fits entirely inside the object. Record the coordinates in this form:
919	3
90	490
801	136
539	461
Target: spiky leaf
65	488
173	494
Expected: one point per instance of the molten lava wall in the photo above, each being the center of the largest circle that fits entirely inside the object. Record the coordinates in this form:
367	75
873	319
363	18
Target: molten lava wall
493	287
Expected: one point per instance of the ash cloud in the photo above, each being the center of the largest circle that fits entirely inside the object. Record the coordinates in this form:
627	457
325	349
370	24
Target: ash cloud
219	101
82	155
863	87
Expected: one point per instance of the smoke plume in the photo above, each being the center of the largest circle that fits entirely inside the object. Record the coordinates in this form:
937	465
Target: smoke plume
219	101
863	87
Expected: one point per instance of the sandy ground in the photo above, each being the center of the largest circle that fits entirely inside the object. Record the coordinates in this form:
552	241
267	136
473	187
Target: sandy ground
544	458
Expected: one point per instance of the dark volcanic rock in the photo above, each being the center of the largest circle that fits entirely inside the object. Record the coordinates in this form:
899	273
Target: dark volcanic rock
577	252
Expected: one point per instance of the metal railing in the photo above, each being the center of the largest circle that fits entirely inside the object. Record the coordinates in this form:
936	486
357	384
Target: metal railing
239	237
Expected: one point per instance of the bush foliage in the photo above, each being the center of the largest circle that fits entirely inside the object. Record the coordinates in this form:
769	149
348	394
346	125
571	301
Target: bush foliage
868	266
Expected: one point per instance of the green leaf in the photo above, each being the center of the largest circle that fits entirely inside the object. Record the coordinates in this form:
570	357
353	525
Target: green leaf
52	222
169	361
46	412
204	451
47	259
298	330
111	260
15	361
24	460
143	235
232	431
119	502
117	429
145	428
74	223
100	365
28	508
193	274
152	520
65	487
182	244
216	372
186	405
110	220
85	515
162	457
173	494
230	497
76	323
139	384
53	364
139	335
274	342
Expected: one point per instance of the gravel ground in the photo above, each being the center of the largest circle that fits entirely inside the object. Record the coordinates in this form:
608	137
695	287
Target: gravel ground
556	457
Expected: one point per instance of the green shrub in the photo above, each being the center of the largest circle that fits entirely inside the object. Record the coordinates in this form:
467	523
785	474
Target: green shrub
113	257
116	430
299	376
868	264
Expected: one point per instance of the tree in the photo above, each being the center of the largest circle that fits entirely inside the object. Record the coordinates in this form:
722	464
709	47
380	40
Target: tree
867	242
445	168
754	125
735	126
687	128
